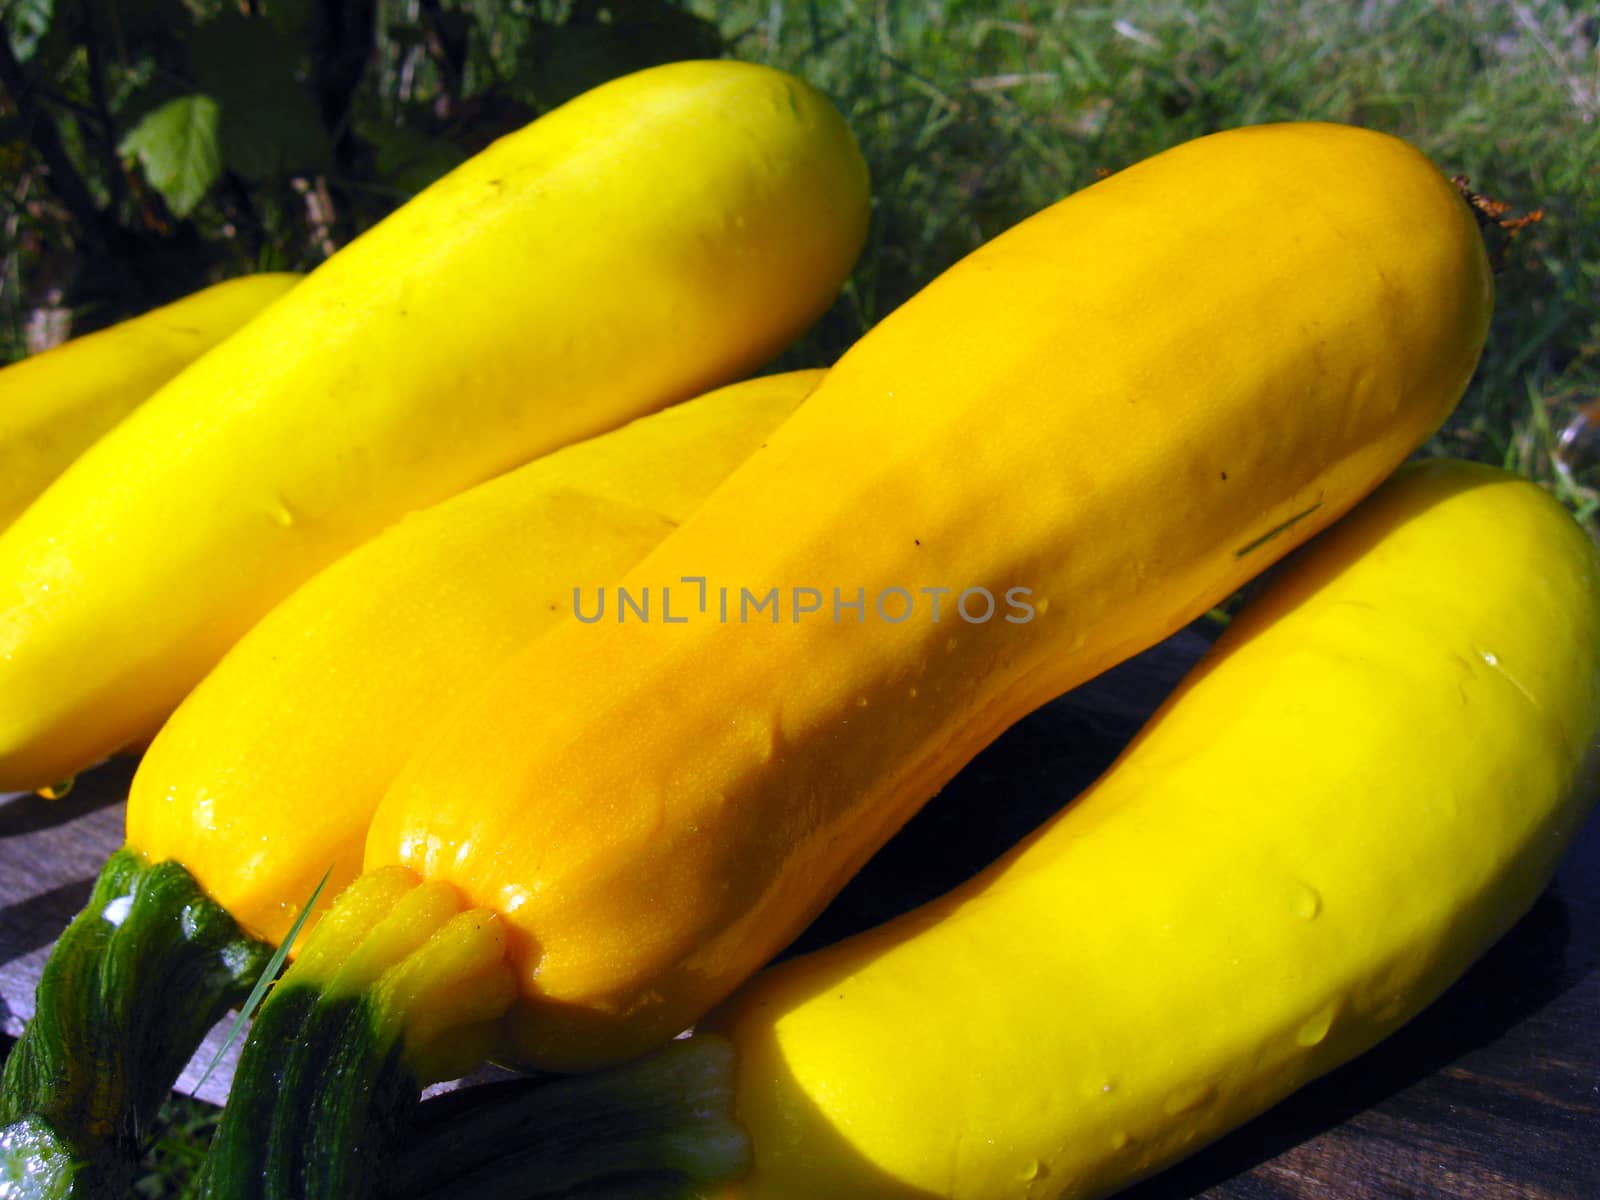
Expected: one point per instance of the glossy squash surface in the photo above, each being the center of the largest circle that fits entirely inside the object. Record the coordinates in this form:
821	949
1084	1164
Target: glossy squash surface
1368	780
1126	406
55	405
659	235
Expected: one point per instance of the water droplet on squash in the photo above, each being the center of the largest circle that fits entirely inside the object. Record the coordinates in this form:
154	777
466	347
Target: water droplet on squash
117	910
1307	902
1316	1029
58	791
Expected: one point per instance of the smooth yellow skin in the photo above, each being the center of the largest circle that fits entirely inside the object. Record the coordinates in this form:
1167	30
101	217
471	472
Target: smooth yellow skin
54	405
653	238
268	772
1368	780
1112	404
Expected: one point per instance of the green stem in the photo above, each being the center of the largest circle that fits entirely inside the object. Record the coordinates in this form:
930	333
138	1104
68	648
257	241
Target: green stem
319	1088
658	1127
395	983
137	979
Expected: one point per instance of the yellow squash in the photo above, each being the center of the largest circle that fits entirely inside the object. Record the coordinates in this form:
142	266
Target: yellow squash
54	405
1126	406
626	821
653	237
1368	780
267	774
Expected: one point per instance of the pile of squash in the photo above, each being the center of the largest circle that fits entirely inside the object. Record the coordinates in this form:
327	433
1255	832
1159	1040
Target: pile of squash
535	721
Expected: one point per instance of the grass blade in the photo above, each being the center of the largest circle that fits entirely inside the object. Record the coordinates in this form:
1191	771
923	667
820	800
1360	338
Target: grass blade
274	965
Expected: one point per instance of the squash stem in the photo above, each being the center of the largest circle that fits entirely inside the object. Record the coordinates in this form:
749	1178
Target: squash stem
131	988
661	1126
399	985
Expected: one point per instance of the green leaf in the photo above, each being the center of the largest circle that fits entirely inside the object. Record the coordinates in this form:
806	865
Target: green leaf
591	48
409	160
145	96
28	21
177	146
270	124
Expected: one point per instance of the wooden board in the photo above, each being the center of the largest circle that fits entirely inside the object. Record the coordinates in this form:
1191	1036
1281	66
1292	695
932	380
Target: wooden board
1493	1094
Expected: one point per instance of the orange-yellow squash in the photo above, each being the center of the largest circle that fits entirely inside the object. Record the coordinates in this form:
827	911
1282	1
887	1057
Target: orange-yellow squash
1367	781
1107	419
267	774
54	405
1363	785
652	238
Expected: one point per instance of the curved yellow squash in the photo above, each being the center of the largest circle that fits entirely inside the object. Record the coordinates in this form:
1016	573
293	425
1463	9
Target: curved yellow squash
54	405
1127	405
656	236
268	772
1366	782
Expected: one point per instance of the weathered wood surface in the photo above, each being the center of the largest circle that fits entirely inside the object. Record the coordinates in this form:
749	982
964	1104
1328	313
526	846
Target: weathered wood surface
1493	1094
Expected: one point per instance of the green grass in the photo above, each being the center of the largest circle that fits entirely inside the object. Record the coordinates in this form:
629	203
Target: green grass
171	1167
973	115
